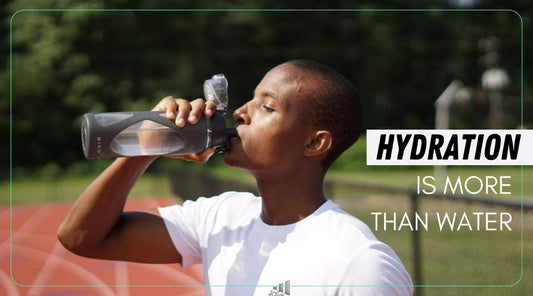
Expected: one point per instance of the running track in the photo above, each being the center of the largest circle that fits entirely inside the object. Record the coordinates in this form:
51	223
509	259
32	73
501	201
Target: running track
41	266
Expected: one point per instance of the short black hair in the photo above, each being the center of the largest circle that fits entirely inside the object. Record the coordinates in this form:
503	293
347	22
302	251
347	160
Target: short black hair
335	106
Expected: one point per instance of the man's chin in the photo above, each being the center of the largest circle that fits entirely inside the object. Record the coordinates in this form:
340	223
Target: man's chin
234	159
229	158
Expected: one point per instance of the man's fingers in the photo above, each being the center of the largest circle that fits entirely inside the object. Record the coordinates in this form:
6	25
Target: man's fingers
184	108
210	108
168	105
198	106
183	111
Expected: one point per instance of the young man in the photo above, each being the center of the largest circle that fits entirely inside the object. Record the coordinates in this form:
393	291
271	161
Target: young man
291	240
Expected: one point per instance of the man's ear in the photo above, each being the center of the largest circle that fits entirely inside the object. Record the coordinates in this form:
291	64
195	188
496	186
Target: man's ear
320	142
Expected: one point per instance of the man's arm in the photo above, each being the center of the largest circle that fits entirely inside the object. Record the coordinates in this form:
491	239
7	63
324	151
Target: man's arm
97	227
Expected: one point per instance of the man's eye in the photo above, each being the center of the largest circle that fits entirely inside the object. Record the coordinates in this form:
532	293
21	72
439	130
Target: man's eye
268	109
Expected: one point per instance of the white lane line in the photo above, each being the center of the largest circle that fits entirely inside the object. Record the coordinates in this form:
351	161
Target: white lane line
122	278
46	271
71	268
28	226
10	287
13	238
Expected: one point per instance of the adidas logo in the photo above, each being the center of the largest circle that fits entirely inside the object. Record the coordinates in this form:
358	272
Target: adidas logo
282	289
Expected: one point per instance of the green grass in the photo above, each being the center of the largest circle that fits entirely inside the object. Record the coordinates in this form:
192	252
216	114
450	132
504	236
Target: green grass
67	189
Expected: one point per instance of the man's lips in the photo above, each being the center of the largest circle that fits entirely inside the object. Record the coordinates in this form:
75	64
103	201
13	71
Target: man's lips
234	141
236	134
235	138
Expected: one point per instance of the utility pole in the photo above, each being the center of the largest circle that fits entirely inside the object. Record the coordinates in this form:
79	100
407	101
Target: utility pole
442	121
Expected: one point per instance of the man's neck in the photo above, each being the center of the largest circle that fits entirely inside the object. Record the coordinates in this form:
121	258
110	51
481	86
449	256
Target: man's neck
287	200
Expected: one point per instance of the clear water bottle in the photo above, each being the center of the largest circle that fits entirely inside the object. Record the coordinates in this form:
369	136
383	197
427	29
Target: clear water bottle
128	134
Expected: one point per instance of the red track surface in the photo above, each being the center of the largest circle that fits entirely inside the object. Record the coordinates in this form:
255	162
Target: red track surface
41	266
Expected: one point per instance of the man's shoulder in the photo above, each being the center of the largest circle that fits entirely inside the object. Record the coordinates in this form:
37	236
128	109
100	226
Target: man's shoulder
361	253
214	209
224	199
350	236
336	220
229	208
237	195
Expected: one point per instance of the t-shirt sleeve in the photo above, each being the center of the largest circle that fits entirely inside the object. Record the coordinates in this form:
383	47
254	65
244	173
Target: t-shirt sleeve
191	225
376	270
186	225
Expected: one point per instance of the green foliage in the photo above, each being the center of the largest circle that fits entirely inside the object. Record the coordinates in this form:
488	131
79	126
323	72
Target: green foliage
353	159
66	63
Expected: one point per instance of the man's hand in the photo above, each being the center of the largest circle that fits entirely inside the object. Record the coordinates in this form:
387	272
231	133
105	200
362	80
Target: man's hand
184	112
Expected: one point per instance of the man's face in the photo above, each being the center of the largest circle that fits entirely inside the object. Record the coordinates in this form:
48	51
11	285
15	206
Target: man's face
273	127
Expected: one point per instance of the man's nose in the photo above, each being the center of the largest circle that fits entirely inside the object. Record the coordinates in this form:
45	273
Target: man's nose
241	115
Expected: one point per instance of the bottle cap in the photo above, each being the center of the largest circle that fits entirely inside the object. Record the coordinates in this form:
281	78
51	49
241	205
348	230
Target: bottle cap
216	89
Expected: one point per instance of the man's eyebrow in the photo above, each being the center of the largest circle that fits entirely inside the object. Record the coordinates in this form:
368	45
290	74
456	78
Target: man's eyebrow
267	94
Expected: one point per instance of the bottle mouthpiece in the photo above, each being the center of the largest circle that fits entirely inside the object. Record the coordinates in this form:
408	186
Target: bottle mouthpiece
231	132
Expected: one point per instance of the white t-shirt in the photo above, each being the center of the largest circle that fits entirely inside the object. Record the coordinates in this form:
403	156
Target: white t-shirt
330	252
